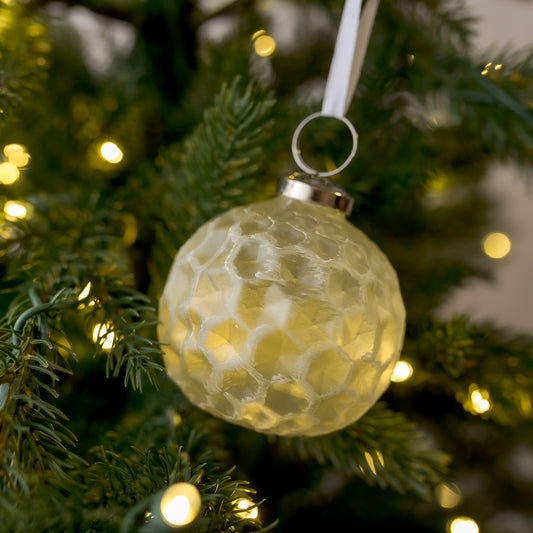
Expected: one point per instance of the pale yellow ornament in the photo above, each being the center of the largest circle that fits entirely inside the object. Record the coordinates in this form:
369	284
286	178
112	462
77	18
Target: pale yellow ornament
282	317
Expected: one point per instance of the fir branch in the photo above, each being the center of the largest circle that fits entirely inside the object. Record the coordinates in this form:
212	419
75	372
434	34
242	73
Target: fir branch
220	162
457	355
383	448
32	435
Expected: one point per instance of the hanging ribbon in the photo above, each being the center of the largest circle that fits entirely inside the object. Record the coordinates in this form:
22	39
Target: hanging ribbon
350	49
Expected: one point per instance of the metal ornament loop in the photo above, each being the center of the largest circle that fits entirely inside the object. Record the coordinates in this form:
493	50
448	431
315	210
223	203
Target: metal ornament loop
296	152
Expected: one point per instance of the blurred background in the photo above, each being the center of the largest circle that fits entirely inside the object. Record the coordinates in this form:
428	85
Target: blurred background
508	298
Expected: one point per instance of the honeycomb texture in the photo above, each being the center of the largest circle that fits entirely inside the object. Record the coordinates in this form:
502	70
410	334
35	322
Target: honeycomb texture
282	317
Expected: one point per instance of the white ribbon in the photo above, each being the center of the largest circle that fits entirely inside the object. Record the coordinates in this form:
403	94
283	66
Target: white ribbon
348	57
344	72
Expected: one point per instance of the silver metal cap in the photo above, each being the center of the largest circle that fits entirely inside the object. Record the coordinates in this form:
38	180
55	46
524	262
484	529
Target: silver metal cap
317	190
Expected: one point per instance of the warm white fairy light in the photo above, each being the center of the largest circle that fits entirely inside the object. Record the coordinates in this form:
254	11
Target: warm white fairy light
448	495
103	336
15	210
247	508
180	504
264	44
480	400
110	152
462	524
496	245
402	372
85	292
9	173
17	155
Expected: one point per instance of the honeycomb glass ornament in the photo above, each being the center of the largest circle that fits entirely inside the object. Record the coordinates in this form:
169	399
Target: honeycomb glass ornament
281	316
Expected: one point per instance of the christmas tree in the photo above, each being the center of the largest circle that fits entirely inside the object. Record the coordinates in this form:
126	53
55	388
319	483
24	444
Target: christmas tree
127	124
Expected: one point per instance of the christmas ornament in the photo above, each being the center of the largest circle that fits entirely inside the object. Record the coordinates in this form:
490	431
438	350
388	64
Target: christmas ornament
281	316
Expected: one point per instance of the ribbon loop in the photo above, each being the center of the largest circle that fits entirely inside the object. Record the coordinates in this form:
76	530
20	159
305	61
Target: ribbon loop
348	56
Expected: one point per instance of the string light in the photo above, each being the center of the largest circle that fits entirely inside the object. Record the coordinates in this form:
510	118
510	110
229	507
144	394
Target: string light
496	245
448	495
402	372
462	524
110	152
180	504
15	210
103	336
264	44
247	508
9	173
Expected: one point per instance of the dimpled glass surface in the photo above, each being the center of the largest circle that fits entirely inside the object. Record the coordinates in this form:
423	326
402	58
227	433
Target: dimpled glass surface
282	317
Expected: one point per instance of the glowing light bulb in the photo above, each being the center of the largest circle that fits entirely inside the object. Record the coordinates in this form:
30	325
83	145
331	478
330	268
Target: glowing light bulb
496	245
264	45
180	504
402	372
14	210
480	401
85	292
103	336
9	173
448	495
110	152
247	508
17	155
462	524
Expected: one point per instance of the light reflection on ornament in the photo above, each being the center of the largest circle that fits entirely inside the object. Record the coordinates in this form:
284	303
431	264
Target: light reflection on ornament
247	508
180	504
448	495
9	173
462	524
110	152
264	44
496	245
103	336
14	210
402	372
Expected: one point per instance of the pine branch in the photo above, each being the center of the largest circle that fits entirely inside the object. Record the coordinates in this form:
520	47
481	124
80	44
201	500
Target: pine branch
461	357
219	164
383	448
24	52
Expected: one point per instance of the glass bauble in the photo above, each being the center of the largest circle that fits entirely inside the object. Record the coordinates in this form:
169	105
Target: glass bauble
282	317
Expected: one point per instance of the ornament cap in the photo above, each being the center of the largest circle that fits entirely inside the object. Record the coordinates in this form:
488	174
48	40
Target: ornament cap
318	190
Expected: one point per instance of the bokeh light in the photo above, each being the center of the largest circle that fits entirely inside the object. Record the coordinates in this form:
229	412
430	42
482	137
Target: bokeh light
15	210
104	336
264	44
496	245
402	372
180	504
448	495
9	173
247	508
462	524
17	155
480	401
110	152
